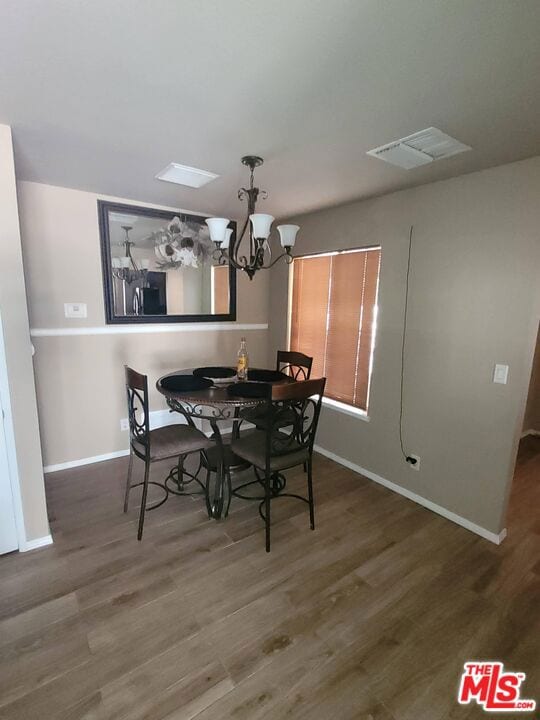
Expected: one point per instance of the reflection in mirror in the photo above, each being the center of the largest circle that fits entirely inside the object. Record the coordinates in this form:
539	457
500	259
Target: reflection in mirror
161	267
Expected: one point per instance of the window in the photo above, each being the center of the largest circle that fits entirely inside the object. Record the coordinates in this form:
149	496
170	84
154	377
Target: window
333	319
220	289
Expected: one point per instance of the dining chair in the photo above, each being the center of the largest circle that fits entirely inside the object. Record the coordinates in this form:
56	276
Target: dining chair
173	441
275	449
295	364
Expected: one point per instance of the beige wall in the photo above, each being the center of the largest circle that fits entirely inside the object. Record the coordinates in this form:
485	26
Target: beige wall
473	302
79	379
14	313
532	411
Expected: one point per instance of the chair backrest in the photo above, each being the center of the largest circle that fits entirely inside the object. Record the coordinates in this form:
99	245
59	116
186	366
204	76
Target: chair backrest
295	364
293	410
137	402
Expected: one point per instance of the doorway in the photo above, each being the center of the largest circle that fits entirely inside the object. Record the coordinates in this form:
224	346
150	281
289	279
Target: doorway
522	513
9	540
531	421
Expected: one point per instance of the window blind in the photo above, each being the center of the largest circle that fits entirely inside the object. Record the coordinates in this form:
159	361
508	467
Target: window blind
220	289
333	318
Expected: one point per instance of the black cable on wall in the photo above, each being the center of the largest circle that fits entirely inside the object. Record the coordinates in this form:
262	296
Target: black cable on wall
408	458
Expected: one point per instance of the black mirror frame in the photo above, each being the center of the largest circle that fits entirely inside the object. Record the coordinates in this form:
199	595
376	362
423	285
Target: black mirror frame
104	208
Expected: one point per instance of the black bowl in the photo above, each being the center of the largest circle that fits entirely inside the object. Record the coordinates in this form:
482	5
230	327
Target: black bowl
214	372
266	376
185	383
249	390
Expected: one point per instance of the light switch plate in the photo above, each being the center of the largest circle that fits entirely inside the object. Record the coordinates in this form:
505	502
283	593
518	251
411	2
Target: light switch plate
75	310
500	374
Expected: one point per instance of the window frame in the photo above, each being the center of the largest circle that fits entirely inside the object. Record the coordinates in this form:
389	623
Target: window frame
339	405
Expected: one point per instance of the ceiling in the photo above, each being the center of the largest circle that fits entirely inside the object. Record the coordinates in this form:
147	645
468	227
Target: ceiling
103	94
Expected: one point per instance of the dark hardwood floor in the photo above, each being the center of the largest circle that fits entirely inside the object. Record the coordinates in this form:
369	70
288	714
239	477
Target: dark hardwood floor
370	617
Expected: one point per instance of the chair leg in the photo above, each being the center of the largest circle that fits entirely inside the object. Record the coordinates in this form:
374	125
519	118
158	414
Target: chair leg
143	501
128	481
180	476
207	494
267	491
229	491
310	494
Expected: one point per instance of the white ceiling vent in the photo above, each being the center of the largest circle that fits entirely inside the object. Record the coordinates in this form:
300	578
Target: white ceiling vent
419	149
185	175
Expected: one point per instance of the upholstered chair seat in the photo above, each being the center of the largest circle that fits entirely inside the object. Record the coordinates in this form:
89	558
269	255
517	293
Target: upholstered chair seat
174	440
252	447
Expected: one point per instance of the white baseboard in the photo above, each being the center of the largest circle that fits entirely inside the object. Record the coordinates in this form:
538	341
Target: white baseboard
36	543
158	418
534	433
85	461
486	534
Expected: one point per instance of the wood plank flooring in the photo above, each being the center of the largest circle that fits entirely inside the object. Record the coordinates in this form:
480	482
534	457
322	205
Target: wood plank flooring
369	617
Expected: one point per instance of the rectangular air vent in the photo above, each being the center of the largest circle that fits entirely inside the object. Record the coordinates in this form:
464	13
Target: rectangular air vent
185	175
397	153
419	149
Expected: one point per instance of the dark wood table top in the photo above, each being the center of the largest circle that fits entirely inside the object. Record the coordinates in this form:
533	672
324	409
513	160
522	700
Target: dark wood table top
217	396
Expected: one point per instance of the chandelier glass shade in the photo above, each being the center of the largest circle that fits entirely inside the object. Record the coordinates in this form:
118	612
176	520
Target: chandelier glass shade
257	227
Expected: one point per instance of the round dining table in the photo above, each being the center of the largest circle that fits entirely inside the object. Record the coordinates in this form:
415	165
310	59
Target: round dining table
217	405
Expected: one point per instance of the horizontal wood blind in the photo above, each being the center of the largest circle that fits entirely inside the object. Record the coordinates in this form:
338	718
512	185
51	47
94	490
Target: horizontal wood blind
220	280
333	313
310	302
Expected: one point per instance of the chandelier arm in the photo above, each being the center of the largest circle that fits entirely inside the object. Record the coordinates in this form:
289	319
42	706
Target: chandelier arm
253	250
268	249
225	256
239	238
130	256
251	200
288	259
128	243
239	264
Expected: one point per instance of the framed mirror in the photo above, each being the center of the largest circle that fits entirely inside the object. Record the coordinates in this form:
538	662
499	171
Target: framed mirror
159	266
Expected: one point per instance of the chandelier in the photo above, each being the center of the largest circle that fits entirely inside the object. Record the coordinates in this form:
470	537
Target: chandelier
258	227
125	268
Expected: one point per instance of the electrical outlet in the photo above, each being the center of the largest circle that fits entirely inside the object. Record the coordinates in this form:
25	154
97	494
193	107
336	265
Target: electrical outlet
124	424
416	465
